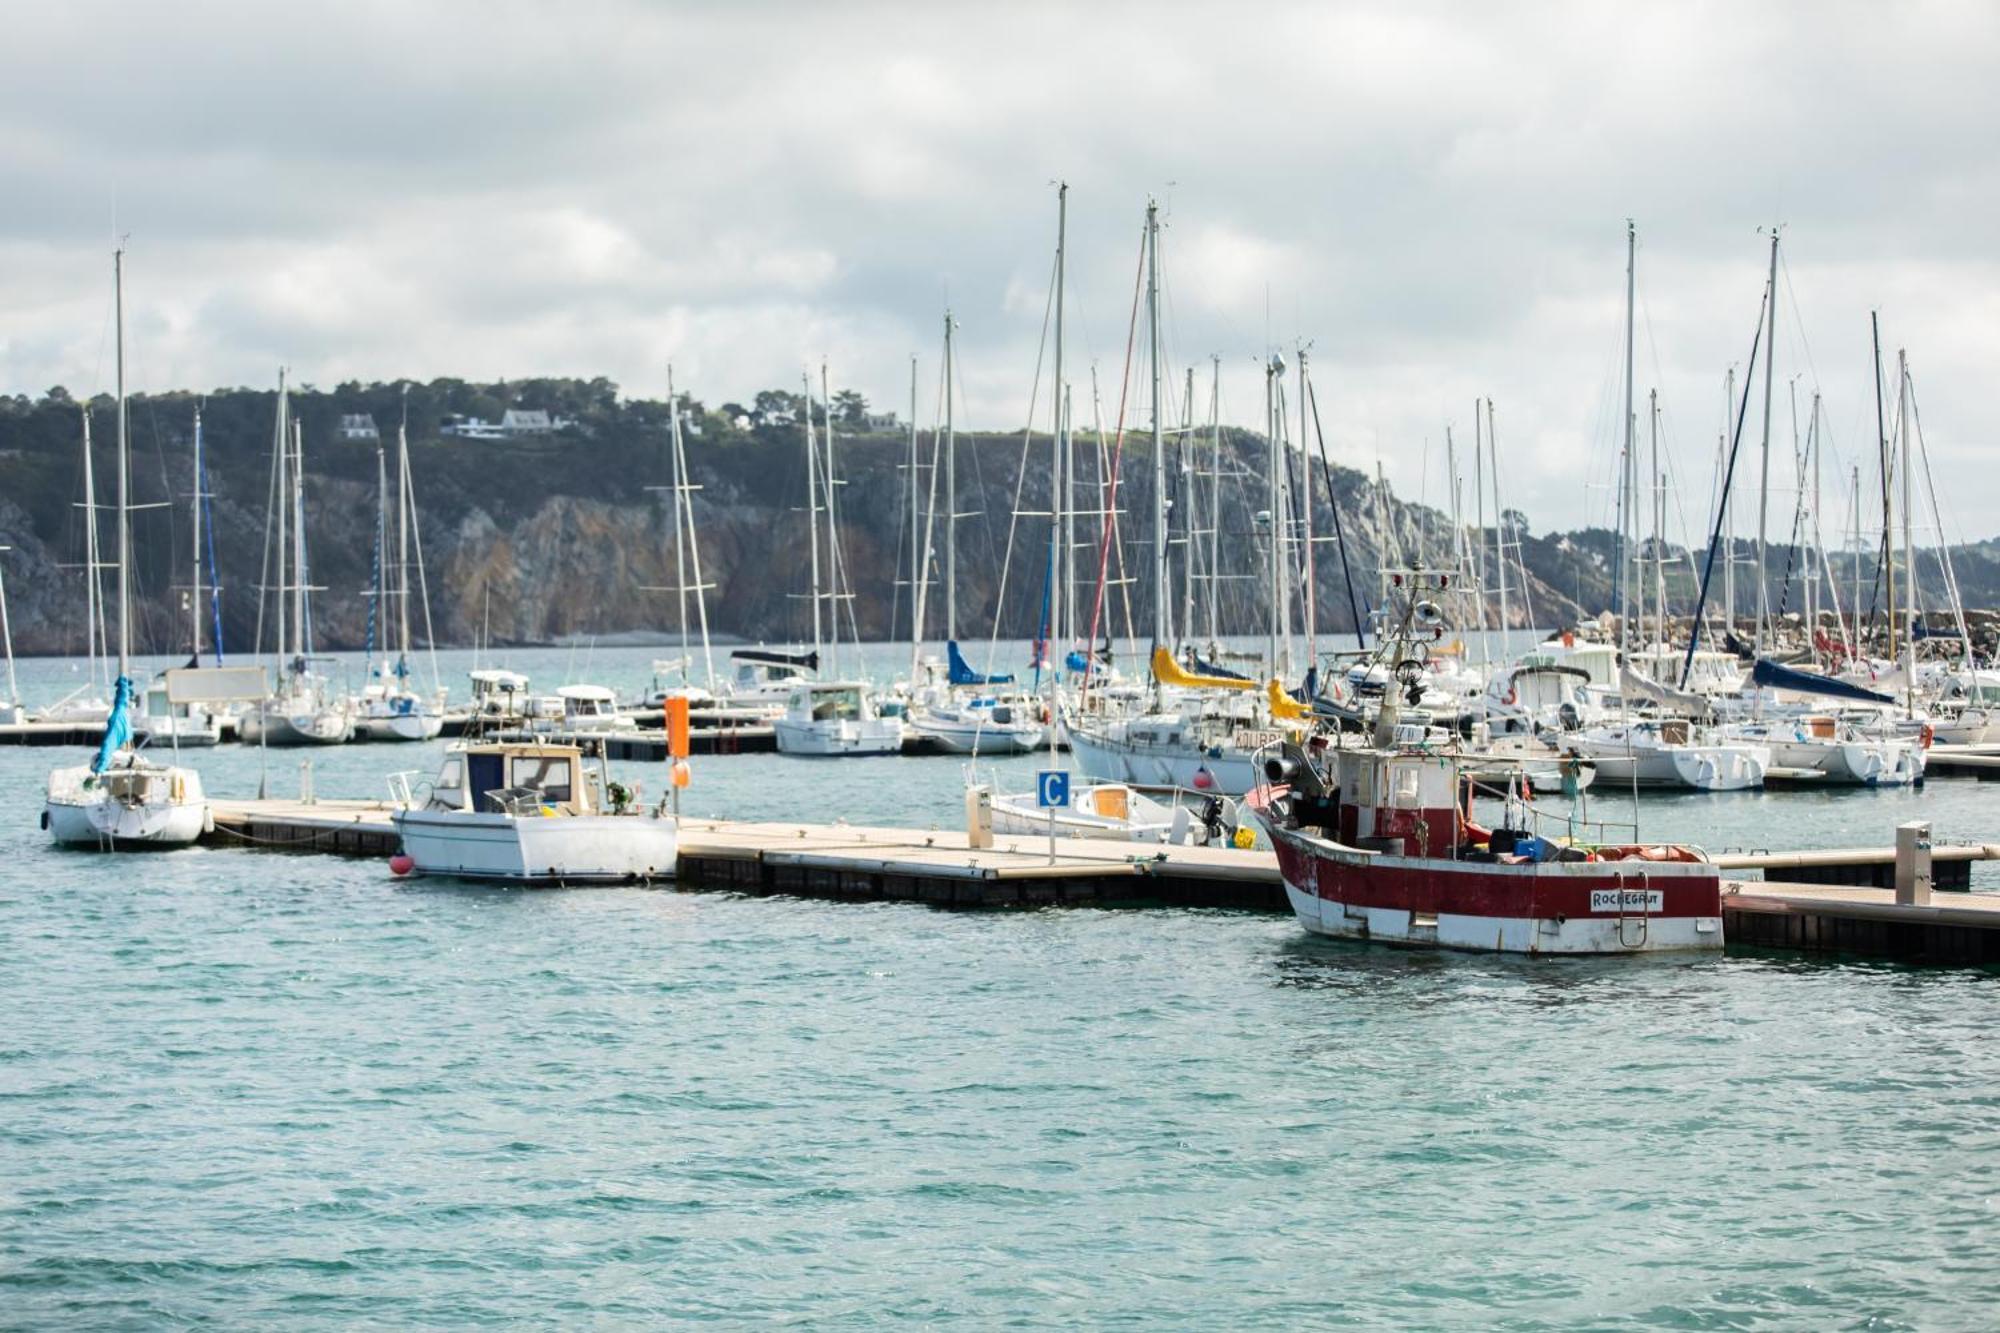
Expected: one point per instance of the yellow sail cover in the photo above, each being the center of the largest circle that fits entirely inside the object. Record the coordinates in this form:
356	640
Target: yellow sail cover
1284	706
1169	672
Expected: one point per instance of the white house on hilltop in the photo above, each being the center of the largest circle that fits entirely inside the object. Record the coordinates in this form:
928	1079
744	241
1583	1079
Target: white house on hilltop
514	424
358	426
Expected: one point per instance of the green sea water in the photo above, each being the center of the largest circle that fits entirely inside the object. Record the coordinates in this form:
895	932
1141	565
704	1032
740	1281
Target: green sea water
265	1090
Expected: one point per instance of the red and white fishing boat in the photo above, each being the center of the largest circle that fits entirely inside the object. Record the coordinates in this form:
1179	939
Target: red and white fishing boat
1376	842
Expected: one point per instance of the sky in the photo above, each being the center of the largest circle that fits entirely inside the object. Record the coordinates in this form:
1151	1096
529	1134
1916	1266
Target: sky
1431	199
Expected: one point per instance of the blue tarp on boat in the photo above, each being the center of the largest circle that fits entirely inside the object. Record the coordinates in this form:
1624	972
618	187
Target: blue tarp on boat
117	727
1772	676
960	672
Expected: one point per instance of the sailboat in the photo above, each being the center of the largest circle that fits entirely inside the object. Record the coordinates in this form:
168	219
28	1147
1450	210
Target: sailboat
974	713
829	717
304	711
162	720
389	709
1201	731
120	798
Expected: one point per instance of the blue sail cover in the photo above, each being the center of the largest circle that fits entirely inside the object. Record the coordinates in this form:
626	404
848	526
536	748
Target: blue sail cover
1201	668
117	727
1773	676
960	672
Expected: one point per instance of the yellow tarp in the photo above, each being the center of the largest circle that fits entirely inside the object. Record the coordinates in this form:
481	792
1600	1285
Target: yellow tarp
1169	672
1284	706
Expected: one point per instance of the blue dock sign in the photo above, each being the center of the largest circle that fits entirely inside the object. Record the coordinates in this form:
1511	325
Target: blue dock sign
1052	789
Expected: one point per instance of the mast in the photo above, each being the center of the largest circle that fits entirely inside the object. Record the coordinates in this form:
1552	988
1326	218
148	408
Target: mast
93	591
917	553
300	633
680	527
1161	634
194	588
1057	483
1479	527
685	497
1909	539
1214	496
1625	462
281	500
1728	508
405	502
1882	443
950	494
1189	505
1659	507
833	570
1276	570
1500	533
1764	490
812	505
124	477
378	620
1306	590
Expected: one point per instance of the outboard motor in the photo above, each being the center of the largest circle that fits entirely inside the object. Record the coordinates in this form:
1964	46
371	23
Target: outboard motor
1567	717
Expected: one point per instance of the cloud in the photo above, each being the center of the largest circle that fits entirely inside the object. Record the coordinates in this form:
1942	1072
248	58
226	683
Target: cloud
1432	196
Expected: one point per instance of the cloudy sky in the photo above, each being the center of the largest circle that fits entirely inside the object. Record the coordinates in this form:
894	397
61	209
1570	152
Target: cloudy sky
1433	197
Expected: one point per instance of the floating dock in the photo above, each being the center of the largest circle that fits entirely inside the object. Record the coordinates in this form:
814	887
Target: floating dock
1845	913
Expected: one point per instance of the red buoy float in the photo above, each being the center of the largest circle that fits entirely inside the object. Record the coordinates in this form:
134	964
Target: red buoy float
402	863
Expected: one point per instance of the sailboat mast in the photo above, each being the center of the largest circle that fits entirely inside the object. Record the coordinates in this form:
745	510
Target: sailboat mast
833	570
93	591
1909	539
1307	592
812	504
1161	634
194	584
1058	484
1764	490
950	493
301	635
1728	510
124	478
404	503
1275	570
378	626
917	552
1626	525
1659	521
1214	494
1882	444
680	528
1500	532
281	500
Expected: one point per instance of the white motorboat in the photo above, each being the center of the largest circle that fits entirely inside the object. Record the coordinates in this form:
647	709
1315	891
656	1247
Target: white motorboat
1843	753
827	718
588	708
164	723
529	813
1114	812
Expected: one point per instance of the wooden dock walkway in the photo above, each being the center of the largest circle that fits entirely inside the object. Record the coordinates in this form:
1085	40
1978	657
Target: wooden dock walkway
860	863
1963	761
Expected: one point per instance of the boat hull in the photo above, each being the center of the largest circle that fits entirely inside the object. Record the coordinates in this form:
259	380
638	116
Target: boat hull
558	849
292	730
824	740
166	808
399	727
966	738
1547	908
1110	759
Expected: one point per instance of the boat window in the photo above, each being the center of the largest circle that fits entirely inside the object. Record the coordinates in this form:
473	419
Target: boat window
841	705
451	777
547	774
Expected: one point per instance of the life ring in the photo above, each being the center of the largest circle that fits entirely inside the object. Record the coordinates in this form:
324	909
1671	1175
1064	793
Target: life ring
1928	734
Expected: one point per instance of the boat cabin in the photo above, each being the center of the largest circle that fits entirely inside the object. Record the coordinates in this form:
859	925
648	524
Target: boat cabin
499	692
512	779
588	705
829	701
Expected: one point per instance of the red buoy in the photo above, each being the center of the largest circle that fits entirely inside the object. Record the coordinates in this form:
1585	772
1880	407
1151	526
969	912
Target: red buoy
402	863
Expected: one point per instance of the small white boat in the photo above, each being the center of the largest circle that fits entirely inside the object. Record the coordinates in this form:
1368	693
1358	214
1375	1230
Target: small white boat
588	708
982	725
1114	812
304	713
165	723
827	718
529	813
1668	754
399	715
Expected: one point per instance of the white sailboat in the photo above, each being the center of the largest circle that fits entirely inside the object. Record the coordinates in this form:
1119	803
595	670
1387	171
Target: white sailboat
121	799
974	712
305	710
162	720
835	717
390	708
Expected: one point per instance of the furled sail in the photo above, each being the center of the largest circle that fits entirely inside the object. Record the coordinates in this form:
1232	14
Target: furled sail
1772	676
960	672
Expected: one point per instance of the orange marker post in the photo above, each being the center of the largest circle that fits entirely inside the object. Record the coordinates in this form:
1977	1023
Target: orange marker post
677	746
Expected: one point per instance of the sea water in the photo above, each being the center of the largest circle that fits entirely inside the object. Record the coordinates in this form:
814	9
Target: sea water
274	1090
